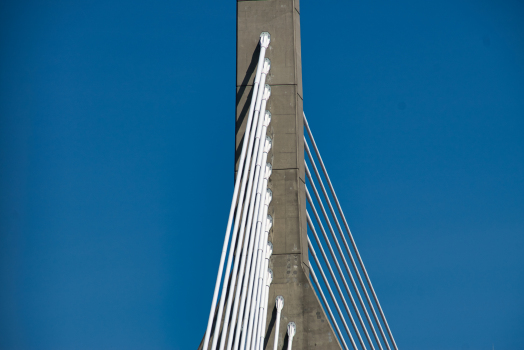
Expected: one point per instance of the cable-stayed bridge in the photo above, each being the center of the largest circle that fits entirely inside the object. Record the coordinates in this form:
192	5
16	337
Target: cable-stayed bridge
290	274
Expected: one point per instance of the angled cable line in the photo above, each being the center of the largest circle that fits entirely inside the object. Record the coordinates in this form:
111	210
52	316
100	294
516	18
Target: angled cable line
291	331
264	43
268	278
255	273
261	223
261	147
312	271
354	246
261	217
247	252
279	304
353	323
250	298
339	251
306	147
247	175
259	275
252	220
333	298
256	134
247	288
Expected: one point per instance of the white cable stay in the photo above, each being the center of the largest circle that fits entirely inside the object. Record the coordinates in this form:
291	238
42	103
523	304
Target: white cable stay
249	283
261	176
279	304
312	251
370	322
268	278
250	307
247	253
291	331
248	175
262	255
354	247
264	43
262	148
256	268
263	306
340	336
308	196
259	280
333	276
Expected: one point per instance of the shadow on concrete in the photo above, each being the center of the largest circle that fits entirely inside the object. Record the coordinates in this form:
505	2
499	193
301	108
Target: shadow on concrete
270	327
249	72
241	90
284	343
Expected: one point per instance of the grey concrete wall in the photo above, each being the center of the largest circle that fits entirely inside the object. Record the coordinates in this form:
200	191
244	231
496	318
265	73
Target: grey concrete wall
289	262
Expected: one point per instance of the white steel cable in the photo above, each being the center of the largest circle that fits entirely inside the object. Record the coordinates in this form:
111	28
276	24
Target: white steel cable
252	274
252	335
257	300
246	255
263	314
312	271
261	220
354	246
279	304
312	251
264	43
261	147
249	278
253	317
333	276
334	256
306	147
268	278
291	331
260	97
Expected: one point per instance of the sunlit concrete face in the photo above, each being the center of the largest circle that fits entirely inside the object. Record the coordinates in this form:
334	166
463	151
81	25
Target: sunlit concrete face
289	262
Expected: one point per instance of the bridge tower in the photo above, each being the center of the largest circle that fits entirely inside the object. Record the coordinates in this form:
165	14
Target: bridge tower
289	261
271	241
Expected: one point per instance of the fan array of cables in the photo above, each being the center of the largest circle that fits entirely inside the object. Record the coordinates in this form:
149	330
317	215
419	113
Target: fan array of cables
328	230
242	307
238	321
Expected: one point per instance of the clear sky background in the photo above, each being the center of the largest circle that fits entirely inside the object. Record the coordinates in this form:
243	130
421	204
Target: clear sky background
116	164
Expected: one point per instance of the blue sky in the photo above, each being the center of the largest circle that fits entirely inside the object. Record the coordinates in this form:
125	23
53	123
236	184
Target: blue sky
116	165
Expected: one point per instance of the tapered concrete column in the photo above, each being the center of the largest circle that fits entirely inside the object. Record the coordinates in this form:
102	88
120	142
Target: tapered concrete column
289	262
